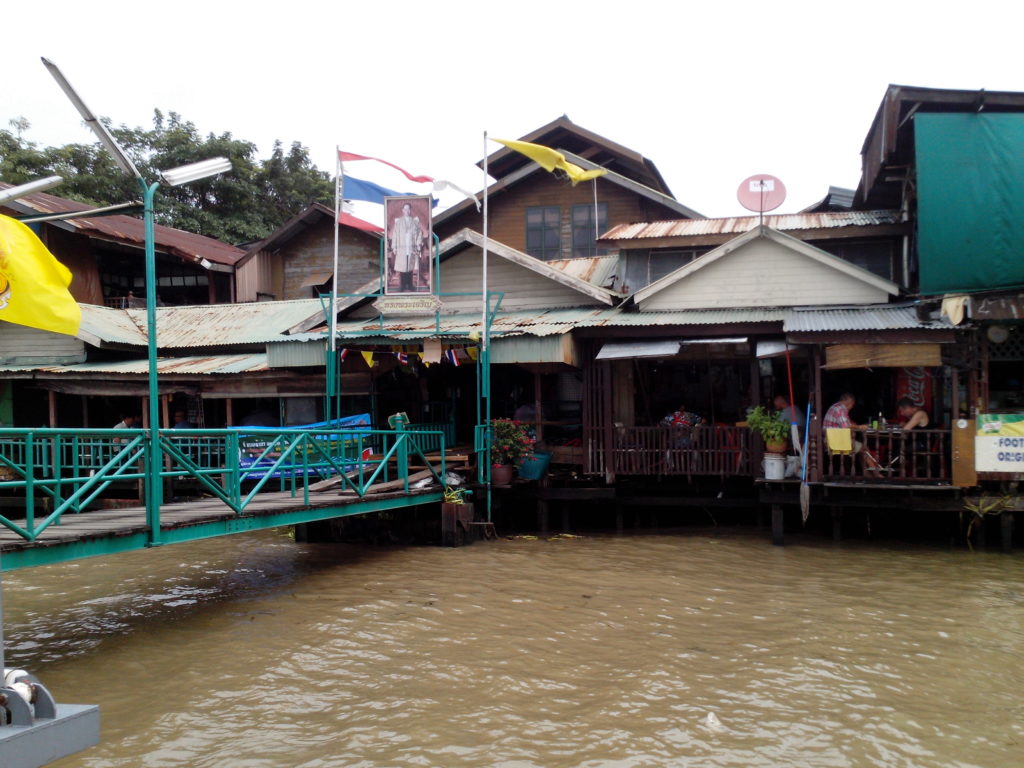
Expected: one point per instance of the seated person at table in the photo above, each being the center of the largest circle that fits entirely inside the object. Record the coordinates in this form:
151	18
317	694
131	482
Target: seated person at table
838	417
181	421
915	418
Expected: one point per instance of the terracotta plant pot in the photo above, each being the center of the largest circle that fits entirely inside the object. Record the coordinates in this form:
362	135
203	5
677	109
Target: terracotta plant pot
776	447
501	474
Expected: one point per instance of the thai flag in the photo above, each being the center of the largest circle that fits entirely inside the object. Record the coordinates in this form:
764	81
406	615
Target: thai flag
343	354
452	356
402	358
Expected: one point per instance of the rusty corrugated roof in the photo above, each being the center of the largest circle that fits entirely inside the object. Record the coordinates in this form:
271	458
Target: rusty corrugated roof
642	230
550	322
131	231
876	318
596	270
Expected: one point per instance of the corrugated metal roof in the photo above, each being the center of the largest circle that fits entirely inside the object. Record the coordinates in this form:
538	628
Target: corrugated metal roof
180	366
127	229
545	323
552	321
113	326
642	230
697	317
596	270
872	318
202	325
217	325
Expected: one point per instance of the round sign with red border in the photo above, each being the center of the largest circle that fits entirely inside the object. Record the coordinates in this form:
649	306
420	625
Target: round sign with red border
761	192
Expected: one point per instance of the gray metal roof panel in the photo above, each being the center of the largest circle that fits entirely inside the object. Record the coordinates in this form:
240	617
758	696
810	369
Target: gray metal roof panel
870	318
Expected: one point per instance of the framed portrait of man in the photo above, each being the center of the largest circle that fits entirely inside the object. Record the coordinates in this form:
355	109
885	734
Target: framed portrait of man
408	266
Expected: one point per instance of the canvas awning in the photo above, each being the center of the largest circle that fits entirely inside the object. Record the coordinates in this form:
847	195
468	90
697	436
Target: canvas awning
841	356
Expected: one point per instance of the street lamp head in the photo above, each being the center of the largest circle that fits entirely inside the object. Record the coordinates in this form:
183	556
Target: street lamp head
123	161
28	188
184	174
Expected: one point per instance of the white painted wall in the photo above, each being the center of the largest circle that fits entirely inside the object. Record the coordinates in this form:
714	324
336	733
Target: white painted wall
21	345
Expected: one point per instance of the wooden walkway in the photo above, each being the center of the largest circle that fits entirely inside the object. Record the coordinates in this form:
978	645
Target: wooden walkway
106	531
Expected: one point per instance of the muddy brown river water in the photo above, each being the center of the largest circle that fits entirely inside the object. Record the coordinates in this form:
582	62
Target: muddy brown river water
688	648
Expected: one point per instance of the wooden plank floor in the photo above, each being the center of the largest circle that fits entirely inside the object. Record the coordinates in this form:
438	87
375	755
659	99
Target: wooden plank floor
125	521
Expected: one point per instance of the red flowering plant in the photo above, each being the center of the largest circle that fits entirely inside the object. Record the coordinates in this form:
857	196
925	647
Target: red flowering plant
510	442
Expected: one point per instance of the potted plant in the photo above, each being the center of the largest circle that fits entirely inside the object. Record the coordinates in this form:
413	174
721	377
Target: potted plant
772	428
510	444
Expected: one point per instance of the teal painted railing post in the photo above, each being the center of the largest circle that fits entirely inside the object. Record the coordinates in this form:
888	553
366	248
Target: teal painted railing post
403	450
30	486
154	481
76	470
234	488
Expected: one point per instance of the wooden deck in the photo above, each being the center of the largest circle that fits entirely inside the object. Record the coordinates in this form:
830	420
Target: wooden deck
105	531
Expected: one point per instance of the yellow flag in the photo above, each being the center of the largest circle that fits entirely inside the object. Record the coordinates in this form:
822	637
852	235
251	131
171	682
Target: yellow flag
473	353
368	357
33	284
550	159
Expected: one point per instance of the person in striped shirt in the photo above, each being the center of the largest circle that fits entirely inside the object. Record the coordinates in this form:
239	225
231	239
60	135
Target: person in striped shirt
838	417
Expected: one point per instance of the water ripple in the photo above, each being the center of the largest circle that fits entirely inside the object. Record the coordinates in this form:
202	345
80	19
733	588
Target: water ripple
637	651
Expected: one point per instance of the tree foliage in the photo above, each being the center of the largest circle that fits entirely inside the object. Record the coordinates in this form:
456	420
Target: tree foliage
241	206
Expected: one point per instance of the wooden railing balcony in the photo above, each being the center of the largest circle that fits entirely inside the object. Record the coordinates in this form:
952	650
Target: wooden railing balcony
919	456
722	451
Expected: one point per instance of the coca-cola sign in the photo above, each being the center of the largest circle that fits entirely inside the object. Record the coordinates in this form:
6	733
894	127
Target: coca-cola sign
915	383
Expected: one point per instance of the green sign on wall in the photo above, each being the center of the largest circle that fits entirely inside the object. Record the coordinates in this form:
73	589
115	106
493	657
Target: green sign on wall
970	192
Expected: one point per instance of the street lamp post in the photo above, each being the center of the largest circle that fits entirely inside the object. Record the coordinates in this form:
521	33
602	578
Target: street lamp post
174	177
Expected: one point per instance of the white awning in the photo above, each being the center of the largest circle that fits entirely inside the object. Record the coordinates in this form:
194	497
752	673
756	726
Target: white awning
716	340
627	350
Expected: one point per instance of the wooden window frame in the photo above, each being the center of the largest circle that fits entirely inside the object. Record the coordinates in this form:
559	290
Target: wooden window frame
586	230
543	251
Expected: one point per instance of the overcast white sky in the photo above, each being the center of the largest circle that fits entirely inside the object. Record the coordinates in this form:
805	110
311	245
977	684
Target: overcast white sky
711	92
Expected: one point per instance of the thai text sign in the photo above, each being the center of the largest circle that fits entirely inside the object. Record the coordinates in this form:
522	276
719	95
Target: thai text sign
999	443
259	448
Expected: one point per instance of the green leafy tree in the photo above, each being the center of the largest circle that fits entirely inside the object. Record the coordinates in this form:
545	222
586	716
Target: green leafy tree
241	206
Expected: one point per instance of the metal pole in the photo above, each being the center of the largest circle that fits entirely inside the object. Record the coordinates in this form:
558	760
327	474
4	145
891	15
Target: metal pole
3	662
485	359
154	488
332	357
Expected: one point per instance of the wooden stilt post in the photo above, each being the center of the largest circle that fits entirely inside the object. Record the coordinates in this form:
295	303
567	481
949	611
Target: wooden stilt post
538	407
778	538
837	522
618	519
1006	529
542	516
565	517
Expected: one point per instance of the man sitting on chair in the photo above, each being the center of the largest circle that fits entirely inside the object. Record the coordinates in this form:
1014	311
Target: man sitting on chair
838	417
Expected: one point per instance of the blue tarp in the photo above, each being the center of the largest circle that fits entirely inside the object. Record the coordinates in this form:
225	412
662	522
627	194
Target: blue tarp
345	447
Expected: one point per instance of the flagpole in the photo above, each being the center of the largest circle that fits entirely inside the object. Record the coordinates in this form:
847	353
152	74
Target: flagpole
332	371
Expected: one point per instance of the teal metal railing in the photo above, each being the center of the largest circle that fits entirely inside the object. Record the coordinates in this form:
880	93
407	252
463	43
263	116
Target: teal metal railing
64	471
